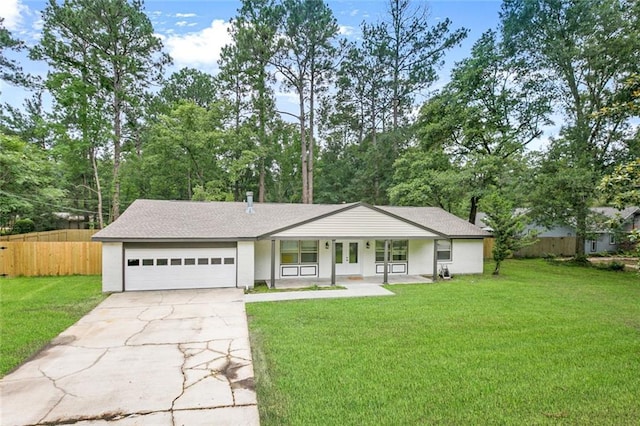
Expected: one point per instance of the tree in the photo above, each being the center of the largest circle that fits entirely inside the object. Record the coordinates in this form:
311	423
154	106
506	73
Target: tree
27	181
585	48
189	84
246	63
10	69
507	227
111	46
493	107
303	59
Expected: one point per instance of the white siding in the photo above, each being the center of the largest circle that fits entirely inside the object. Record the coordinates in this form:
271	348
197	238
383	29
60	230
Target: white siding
112	267
324	259
246	264
420	257
263	260
466	257
357	222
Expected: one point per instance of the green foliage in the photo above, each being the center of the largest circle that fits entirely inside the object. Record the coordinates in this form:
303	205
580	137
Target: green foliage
507	227
27	182
622	186
23	226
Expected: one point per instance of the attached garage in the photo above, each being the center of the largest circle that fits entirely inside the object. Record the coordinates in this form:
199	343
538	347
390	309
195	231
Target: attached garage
155	267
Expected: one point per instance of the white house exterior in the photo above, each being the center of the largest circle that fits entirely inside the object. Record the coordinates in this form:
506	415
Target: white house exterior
180	244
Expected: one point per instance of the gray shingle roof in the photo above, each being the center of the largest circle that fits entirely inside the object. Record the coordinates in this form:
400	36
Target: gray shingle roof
189	220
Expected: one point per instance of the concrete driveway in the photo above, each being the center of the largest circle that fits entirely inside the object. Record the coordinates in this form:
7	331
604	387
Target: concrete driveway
178	357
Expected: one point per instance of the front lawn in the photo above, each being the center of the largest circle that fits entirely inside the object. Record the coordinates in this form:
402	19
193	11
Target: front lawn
35	310
542	344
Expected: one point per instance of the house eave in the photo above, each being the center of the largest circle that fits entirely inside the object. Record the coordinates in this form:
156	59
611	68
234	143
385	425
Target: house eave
172	240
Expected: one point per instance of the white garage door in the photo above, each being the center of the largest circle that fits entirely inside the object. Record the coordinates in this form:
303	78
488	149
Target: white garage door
175	268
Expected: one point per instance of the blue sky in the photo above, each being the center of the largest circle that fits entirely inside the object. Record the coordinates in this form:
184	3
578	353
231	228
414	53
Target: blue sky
194	31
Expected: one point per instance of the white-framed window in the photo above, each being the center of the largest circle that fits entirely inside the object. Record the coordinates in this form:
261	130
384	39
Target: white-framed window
298	252
398	251
612	239
594	246
443	250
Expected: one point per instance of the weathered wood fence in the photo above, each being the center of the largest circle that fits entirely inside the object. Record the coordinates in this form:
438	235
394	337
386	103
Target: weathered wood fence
64	252
557	246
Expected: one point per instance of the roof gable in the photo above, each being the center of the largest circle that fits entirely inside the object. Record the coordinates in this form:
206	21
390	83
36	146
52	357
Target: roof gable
357	221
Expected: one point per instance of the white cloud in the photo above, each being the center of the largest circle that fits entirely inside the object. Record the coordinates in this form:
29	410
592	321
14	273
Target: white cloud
186	15
11	11
182	23
354	12
346	30
199	48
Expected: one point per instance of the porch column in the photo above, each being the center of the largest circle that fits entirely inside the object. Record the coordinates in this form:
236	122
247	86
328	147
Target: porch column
385	277
435	260
272	284
333	262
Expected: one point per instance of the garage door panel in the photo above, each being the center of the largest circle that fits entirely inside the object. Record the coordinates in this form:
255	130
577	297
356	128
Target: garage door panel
165	269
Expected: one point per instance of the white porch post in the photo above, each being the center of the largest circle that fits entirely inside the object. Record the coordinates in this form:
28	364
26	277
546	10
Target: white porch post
435	260
333	262
272	284
385	277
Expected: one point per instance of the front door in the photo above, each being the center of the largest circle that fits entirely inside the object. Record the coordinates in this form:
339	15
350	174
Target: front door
347	258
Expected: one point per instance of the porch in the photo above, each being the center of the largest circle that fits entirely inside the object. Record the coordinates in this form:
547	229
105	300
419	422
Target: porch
350	280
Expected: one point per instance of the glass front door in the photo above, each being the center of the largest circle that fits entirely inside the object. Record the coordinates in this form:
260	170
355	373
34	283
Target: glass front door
347	258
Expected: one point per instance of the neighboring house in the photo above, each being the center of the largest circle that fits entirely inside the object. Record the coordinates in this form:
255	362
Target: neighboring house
182	244
603	239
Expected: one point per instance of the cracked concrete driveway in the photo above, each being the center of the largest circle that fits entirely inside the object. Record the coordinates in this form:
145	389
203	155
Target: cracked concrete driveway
178	357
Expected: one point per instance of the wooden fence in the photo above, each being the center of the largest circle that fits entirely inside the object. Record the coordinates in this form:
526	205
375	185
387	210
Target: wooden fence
53	236
558	246
50	258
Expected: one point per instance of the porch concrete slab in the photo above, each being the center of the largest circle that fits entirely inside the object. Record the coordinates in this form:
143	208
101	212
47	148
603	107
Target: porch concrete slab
351	290
139	358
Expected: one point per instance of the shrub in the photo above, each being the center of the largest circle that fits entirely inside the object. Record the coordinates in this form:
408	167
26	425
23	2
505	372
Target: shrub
23	226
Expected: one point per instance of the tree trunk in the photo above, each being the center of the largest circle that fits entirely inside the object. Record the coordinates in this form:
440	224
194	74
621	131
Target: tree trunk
496	271
311	142
581	232
303	148
261	187
473	211
94	165
117	135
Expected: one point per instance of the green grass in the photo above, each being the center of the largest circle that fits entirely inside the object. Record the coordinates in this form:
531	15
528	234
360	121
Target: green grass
35	310
541	344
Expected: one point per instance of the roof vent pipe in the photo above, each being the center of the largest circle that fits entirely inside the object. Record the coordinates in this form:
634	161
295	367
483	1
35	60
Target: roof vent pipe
250	202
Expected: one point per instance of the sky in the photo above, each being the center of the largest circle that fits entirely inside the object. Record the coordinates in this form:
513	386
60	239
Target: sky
194	31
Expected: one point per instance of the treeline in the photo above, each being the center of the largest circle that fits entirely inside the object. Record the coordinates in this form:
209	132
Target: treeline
361	129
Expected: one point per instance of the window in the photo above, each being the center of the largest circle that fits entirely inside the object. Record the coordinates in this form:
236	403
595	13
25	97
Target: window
296	252
309	251
203	261
398	251
612	239
147	262
133	262
229	260
216	261
443	250
288	252
190	261
594	246
162	262
176	262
